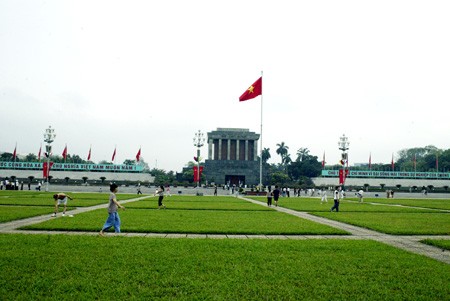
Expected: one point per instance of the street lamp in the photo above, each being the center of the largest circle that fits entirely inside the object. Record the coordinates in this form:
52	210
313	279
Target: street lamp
49	137
199	141
343	146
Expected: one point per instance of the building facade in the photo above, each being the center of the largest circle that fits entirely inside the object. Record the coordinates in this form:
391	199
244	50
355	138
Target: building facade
232	157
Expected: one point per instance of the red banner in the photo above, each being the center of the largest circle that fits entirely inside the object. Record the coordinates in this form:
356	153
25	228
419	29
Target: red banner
45	170
342	176
196	174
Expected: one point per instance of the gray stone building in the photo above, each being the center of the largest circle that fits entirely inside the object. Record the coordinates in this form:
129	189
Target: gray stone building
232	157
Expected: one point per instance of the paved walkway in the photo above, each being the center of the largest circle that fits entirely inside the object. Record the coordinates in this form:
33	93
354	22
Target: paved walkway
409	243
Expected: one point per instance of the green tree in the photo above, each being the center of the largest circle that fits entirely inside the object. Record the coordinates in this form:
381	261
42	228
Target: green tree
279	178
266	155
129	162
31	158
302	154
282	150
6	157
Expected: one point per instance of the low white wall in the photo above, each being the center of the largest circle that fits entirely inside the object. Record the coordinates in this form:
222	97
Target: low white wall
377	181
78	175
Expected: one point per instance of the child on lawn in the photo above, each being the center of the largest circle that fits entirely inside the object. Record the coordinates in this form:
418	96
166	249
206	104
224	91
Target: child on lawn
113	215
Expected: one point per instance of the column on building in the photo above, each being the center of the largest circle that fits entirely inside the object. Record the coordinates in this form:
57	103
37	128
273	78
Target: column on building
237	149
220	149
255	147
246	150
210	149
228	149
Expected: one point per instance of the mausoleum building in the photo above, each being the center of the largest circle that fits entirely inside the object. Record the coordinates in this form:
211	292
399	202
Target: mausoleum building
232	157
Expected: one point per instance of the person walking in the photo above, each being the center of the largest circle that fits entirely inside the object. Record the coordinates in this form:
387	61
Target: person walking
113	216
336	198
160	193
139	188
269	196
324	196
276	195
61	198
215	190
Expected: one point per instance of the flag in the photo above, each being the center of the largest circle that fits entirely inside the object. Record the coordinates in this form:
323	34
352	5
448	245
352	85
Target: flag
138	155
39	154
89	154
323	160
370	161
64	154
197	173
415	162
14	153
114	154
46	169
392	162
437	163
253	91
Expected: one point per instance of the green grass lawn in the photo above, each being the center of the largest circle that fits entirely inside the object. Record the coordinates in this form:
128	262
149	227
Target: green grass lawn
10	213
418	223
444	244
27	198
193	221
62	267
199	203
314	205
425	203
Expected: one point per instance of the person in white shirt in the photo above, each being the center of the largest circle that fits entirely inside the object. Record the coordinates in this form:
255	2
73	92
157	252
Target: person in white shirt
360	195
336	197
324	196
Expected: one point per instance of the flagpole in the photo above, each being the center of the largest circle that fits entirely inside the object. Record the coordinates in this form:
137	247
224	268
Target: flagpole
261	148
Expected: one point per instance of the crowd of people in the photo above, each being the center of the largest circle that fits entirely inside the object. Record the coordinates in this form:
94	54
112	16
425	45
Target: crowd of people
16	185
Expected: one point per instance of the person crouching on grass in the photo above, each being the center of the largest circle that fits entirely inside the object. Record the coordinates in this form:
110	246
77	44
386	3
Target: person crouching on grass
61	198
113	215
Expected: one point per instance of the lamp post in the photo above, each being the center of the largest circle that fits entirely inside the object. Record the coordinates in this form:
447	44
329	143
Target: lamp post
49	137
199	141
343	146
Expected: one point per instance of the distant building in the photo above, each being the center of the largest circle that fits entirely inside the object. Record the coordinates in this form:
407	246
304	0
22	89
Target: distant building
232	157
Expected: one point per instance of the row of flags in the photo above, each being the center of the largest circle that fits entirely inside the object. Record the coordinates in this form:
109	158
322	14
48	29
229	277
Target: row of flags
392	161
64	154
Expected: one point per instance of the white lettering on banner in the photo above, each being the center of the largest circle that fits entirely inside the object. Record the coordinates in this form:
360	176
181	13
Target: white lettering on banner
389	174
72	166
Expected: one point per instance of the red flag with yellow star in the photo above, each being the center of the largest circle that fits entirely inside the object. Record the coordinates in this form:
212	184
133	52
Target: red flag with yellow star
253	91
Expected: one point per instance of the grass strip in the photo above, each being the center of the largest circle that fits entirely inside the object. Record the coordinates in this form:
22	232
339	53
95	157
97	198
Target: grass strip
22	198
443	243
315	205
193	221
424	203
60	267
11	213
418	223
199	203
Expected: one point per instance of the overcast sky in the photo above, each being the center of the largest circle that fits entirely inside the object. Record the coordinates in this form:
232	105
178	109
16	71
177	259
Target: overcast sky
152	73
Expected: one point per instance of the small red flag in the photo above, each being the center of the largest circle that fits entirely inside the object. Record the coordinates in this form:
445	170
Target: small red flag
89	154
138	155
392	163
253	91
323	160
114	155
437	163
370	161
14	153
39	154
64	154
415	162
